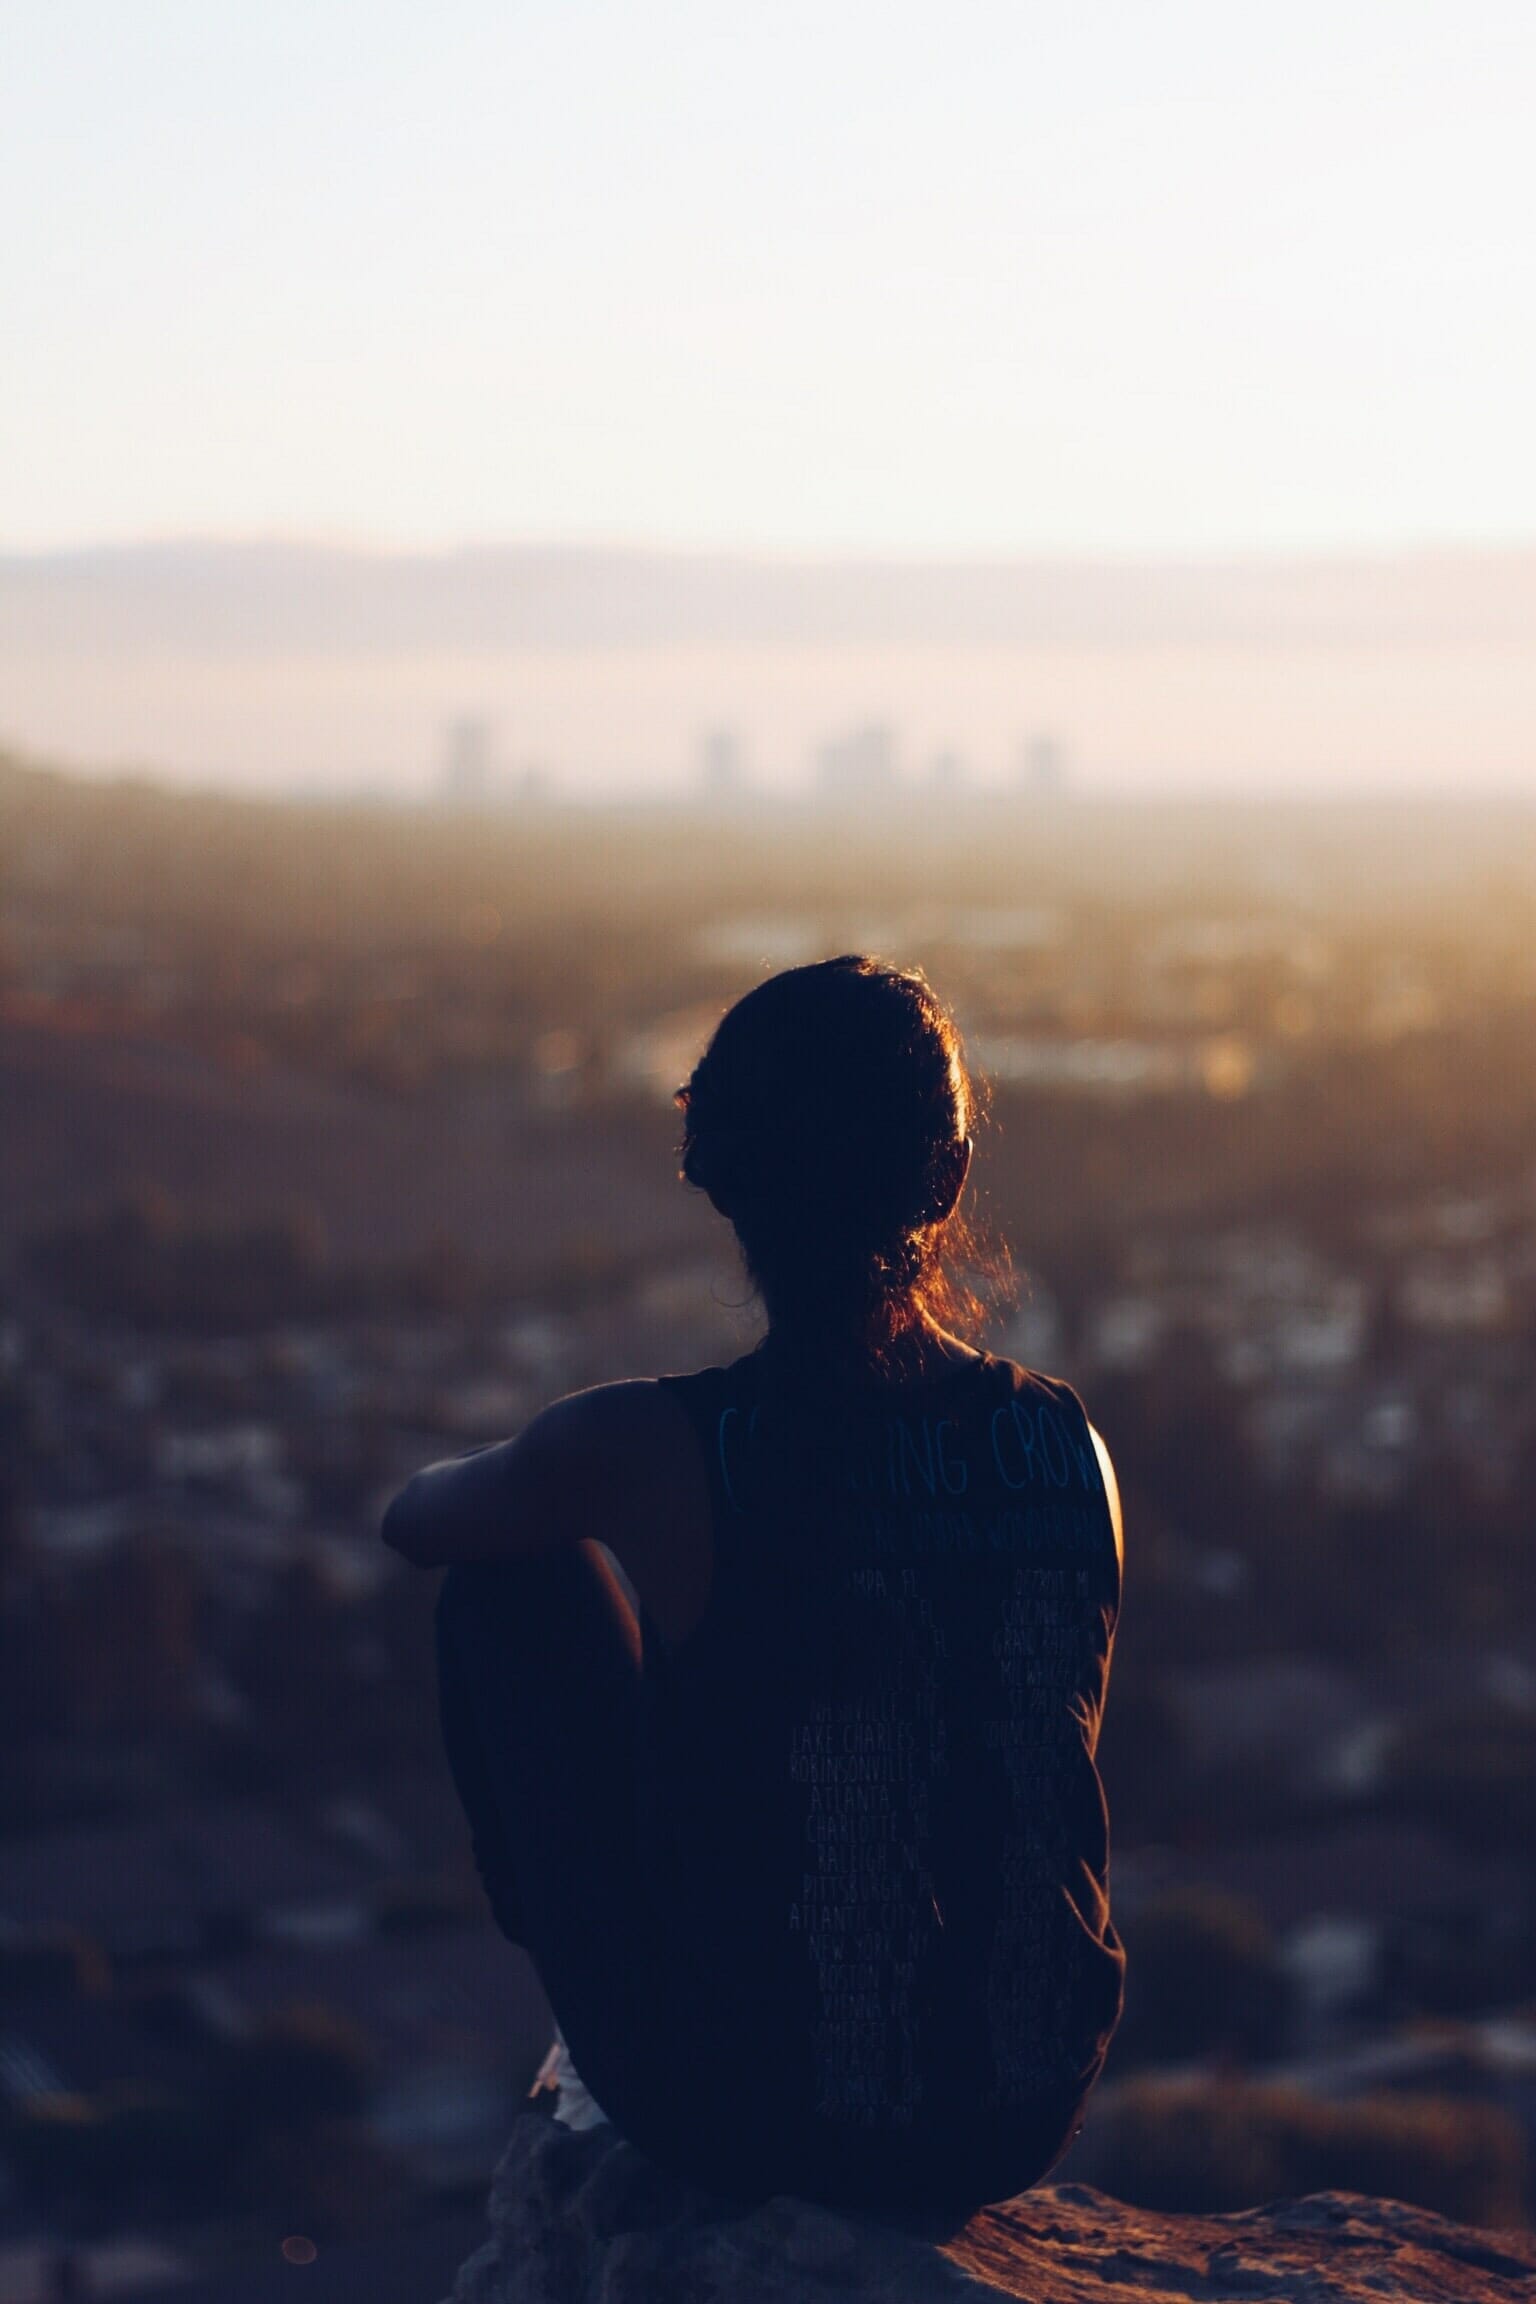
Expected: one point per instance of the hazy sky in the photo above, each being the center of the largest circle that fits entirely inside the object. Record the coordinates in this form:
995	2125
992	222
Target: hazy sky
1168	276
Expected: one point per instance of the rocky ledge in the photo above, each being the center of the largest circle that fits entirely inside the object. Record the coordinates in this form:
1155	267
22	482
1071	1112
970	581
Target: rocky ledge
581	2218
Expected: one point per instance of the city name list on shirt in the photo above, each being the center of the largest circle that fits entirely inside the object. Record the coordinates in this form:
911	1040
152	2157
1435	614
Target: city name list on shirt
937	1578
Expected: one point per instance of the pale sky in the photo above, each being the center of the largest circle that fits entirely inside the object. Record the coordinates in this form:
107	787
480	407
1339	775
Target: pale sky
1172	276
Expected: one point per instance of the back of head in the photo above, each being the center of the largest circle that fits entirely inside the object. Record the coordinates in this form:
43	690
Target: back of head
830	1120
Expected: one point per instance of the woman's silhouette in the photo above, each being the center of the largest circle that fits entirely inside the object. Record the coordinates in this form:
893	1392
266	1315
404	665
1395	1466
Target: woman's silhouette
810	1852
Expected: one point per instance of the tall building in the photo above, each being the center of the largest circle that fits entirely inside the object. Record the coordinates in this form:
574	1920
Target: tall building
1042	765
946	773
722	764
858	765
467	774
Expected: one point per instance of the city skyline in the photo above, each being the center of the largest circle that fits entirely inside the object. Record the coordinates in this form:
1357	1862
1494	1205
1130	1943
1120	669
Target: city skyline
279	668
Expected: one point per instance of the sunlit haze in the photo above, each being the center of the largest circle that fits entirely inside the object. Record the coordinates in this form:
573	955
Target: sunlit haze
833	284
990	279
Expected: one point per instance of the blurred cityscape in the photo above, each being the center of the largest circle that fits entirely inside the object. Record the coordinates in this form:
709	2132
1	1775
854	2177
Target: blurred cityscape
853	767
335	1138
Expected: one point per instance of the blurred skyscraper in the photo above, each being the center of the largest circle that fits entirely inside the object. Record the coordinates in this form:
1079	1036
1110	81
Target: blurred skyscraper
858	765
946	773
722	764
1042	765
468	766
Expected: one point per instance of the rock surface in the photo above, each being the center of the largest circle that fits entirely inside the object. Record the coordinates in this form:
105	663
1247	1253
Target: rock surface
583	2219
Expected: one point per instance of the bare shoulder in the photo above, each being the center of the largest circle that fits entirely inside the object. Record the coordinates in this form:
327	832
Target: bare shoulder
620	1429
628	1464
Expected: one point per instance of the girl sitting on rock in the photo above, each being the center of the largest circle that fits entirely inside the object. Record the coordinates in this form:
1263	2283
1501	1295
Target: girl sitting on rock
808	1843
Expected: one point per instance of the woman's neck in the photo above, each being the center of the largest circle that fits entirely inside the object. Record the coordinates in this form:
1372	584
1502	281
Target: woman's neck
917	1351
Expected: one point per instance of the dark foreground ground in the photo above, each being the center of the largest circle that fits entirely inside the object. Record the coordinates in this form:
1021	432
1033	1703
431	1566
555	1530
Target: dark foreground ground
332	1141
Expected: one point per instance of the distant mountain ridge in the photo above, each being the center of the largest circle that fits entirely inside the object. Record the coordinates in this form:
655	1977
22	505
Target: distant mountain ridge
252	598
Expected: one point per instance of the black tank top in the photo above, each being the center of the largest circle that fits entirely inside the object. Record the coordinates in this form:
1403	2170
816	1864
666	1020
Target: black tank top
873	1814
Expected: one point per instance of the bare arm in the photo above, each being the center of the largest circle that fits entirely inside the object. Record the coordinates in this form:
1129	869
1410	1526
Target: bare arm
618	1465
559	1481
